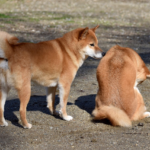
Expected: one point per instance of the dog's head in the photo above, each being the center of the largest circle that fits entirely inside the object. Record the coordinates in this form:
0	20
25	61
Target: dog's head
88	43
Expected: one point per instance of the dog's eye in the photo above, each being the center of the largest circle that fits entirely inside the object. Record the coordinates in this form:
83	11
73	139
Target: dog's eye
92	44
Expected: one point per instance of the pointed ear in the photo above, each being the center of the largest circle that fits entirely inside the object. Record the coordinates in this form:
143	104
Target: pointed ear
94	29
83	33
147	72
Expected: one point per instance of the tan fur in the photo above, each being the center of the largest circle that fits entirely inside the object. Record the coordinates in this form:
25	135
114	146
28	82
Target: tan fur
118	98
5	82
116	116
51	63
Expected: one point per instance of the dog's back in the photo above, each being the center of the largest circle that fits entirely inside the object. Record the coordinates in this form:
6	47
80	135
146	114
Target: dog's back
116	75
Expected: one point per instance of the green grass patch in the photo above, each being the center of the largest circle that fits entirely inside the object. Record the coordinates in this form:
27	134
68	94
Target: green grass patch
64	17
9	22
70	21
50	17
1	26
34	19
3	16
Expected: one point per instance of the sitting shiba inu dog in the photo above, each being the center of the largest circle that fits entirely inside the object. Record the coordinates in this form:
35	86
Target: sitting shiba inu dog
118	98
51	64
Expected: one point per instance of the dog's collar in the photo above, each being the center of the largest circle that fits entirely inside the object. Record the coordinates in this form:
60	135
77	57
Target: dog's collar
4	59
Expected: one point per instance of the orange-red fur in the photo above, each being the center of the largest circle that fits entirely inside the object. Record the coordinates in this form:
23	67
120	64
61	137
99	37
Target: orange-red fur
51	63
118	99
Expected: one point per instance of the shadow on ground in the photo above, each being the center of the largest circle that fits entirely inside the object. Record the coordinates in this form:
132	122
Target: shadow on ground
36	103
87	103
145	57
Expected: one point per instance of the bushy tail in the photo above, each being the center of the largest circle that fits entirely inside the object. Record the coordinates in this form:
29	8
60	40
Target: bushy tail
116	116
6	43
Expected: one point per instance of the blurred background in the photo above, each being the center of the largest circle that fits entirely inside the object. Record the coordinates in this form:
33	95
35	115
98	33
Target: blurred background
123	22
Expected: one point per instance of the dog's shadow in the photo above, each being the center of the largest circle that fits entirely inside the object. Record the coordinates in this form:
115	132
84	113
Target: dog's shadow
87	103
36	103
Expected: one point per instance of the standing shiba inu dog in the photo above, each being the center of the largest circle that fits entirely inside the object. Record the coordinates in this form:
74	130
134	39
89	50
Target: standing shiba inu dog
118	98
51	63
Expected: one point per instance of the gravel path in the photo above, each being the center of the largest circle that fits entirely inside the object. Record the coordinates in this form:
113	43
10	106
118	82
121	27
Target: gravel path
121	22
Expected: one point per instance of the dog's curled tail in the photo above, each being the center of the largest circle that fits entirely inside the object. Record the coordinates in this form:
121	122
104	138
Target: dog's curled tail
6	43
116	116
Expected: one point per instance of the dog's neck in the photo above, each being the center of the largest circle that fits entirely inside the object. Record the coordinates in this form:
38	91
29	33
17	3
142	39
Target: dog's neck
73	51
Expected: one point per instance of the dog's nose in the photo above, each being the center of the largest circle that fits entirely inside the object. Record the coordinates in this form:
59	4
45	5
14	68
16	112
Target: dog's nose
103	54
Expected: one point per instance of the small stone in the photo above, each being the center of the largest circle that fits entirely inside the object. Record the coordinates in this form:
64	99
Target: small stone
38	32
140	124
94	83
93	140
81	90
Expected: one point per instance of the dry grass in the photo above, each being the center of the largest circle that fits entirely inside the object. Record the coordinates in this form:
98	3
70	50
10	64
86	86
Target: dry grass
121	22
75	12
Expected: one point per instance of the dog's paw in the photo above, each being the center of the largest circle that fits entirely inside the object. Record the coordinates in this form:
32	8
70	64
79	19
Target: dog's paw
147	114
4	124
28	126
68	118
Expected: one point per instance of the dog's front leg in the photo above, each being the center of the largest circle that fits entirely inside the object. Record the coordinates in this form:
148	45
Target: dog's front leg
51	99
64	90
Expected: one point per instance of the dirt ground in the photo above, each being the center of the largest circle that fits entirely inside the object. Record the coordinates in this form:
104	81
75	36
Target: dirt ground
123	22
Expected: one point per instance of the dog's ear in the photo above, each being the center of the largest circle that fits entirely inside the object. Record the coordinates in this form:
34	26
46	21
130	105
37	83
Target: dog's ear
94	29
147	72
83	33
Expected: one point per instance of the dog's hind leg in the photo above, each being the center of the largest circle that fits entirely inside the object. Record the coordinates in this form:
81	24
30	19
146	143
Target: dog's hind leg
4	89
51	99
24	95
3	96
140	108
23	86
